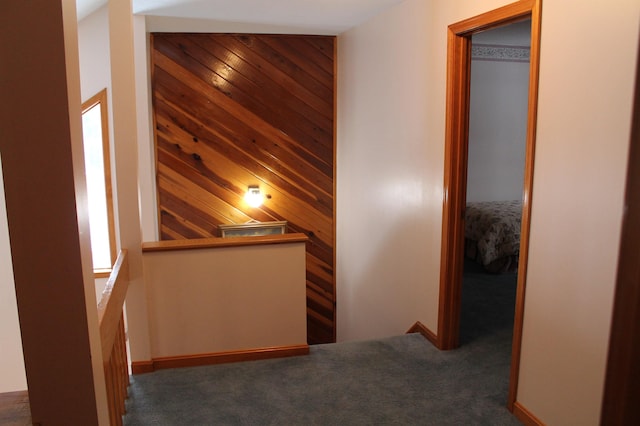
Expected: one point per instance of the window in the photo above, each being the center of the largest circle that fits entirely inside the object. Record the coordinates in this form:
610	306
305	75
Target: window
95	135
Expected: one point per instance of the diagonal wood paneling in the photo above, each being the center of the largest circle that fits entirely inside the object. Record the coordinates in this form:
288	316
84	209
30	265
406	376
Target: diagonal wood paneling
233	110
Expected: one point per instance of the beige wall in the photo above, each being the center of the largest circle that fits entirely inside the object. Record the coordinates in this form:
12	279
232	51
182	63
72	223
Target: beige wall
586	89
125	131
96	69
226	299
95	64
389	175
391	100
95	75
93	49
12	374
390	156
47	213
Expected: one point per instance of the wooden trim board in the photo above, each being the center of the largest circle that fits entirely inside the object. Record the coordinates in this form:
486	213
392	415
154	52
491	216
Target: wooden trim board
525	416
418	327
139	367
215	242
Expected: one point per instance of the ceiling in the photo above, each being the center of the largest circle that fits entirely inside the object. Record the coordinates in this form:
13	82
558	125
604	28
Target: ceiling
333	16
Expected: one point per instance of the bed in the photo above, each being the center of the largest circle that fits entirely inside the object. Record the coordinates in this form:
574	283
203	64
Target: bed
492	234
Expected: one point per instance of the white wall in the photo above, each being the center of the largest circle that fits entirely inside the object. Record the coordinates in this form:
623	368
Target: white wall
52	269
93	63
498	120
391	115
126	88
95	74
12	372
497	130
95	66
389	176
93	46
133	168
390	155
584	121
171	24
146	145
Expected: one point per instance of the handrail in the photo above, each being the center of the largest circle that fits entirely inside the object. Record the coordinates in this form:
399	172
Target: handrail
214	242
113	337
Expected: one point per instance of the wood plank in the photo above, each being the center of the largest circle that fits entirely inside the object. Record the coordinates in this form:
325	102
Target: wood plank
175	227
309	61
267	88
111	302
251	88
312	221
285	72
14	408
202	243
238	110
173	83
227	357
311	224
187	134
325	45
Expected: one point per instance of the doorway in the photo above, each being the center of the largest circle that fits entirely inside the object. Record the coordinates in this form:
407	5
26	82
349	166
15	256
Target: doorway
455	177
495	177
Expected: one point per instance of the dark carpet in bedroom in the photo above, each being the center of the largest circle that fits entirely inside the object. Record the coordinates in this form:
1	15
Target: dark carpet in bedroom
401	380
488	304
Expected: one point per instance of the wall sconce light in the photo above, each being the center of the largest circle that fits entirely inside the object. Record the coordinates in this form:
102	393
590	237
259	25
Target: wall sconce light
254	197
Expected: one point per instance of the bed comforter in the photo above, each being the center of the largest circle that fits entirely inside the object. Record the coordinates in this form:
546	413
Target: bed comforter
492	233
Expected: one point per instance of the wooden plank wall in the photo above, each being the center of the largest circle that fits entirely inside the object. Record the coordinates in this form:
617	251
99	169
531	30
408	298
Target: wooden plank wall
233	110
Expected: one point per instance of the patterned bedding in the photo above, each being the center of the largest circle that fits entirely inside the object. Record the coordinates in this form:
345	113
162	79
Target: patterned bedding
492	234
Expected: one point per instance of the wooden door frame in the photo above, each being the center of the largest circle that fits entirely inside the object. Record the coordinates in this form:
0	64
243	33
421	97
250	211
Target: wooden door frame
455	172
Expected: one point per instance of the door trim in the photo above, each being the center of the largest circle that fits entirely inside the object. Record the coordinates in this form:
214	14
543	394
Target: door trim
455	172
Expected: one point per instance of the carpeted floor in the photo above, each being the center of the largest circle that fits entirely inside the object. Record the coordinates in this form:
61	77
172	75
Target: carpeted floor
401	380
488	305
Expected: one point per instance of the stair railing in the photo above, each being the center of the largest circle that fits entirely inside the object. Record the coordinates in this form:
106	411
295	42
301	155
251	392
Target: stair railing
113	338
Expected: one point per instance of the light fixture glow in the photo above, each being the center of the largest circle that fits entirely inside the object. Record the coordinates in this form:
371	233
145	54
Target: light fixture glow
254	197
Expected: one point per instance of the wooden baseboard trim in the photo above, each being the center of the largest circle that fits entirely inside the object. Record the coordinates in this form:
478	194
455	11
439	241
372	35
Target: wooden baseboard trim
140	367
419	327
15	408
14	396
525	416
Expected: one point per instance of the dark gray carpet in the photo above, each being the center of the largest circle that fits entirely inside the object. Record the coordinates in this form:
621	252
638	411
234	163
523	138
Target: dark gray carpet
400	380
488	305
